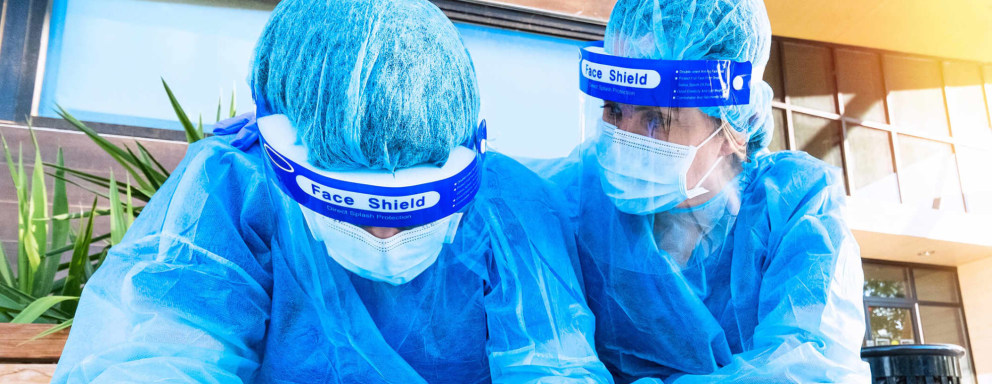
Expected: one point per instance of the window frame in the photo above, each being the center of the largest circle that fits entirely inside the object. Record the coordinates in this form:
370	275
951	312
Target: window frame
913	302
24	26
21	72
893	131
22	53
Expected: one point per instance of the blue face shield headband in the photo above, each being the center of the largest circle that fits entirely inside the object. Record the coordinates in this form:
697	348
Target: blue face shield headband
663	83
408	197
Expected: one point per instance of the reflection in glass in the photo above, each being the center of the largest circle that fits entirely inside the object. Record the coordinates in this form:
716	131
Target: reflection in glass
942	325
945	325
778	134
929	174
886	281
809	76
870	159
975	180
105	58
987	75
891	325
966	103
819	137
773	72
859	79
935	285
916	100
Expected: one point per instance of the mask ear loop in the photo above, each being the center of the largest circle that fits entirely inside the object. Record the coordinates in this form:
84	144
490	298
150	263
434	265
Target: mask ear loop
449	236
712	135
698	189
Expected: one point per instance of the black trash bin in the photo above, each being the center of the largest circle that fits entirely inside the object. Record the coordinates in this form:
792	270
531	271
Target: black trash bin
912	364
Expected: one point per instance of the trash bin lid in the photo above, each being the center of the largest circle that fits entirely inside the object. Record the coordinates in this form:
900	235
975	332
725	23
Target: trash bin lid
916	349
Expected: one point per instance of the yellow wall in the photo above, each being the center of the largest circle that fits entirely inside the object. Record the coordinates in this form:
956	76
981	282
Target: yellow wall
951	28
974	278
959	29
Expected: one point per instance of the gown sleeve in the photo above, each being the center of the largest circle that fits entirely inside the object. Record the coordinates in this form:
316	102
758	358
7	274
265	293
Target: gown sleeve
185	296
808	302
540	328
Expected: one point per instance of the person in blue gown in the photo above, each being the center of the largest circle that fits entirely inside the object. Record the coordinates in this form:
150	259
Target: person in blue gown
705	258
227	277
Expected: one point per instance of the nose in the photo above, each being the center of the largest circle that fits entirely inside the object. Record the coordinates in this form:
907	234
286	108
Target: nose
628	125
382	232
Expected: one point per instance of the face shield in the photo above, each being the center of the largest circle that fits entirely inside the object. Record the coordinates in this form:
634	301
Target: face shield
424	203
658	127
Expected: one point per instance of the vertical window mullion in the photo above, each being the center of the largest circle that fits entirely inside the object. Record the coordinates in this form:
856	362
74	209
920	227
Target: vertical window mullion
950	125
893	135
839	105
985	93
864	303
790	134
917	321
19	40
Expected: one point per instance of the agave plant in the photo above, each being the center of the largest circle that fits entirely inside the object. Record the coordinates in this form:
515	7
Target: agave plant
142	167
34	292
43	289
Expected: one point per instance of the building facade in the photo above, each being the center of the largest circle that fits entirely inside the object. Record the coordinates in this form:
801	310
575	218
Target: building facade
898	96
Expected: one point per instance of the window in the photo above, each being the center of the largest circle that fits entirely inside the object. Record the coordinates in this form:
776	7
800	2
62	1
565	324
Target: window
778	135
523	119
105	59
969	118
904	129
809	80
975	179
929	174
872	169
916	99
773	76
819	137
915	304
861	86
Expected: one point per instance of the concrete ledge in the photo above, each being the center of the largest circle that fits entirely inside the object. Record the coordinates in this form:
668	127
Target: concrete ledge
26	373
891	231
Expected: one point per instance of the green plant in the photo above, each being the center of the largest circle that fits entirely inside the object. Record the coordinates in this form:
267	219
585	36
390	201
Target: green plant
33	293
142	167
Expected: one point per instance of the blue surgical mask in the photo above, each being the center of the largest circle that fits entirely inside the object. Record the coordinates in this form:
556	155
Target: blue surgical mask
643	175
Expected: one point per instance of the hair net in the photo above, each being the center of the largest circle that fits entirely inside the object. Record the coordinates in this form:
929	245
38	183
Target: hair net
373	84
735	30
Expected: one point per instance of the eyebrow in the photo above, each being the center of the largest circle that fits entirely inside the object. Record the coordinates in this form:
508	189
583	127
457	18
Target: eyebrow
671	114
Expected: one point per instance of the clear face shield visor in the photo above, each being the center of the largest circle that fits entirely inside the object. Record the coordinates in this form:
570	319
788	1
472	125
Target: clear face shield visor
425	202
656	126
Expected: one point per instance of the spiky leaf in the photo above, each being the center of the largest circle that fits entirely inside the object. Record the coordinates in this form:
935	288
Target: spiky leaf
33	311
192	135
77	266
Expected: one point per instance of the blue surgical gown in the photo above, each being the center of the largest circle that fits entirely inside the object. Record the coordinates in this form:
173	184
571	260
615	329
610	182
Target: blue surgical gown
760	284
219	281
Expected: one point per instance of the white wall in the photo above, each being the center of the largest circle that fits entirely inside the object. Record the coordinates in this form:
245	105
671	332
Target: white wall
977	298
